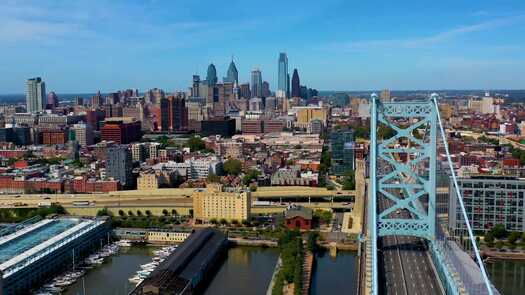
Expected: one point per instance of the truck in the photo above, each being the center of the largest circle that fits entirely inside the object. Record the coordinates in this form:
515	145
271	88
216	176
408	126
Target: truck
83	203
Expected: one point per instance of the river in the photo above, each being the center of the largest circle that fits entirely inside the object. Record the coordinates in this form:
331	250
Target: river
246	270
508	276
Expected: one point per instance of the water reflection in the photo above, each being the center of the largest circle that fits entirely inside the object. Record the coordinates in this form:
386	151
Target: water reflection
508	276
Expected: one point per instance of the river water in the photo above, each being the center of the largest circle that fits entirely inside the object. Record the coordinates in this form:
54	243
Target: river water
508	276
246	270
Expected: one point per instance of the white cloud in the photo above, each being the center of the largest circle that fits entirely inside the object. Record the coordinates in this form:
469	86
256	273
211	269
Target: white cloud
427	41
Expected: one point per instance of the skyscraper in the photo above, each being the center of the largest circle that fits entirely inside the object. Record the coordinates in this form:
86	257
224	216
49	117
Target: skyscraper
282	75
256	83
35	94
245	90
296	84
266	89
119	164
52	100
232	75
173	113
195	86
211	76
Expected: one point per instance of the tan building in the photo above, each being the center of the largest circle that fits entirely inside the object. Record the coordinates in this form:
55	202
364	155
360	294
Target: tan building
147	181
218	202
385	95
166	237
307	114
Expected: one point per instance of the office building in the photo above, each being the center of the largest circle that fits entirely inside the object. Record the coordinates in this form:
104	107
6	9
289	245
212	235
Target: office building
218	126
138	152
195	86
211	76
256	83
217	202
35	94
488	200
173	113
119	164
306	114
282	76
296	84
121	130
266	89
232	76
342	151
83	134
245	91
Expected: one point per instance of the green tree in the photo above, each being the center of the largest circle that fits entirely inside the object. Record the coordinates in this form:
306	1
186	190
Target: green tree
235	222
223	221
103	212
213	221
165	212
121	213
212	177
489	239
232	167
499	231
195	144
513	237
499	245
173	212
130	213
349	180
139	213
148	213
250	176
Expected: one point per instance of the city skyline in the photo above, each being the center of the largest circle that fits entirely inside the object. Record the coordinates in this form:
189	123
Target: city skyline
472	46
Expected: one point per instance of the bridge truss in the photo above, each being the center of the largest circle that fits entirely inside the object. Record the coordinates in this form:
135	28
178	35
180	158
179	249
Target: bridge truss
403	168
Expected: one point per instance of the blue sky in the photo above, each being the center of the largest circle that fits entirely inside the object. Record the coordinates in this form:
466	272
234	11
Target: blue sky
82	46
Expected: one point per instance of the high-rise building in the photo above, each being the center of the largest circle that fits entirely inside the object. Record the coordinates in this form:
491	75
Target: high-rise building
83	134
282	75
342	151
266	89
232	76
52	100
119	164
296	84
35	94
256	83
173	113
121	130
245	90
211	75
97	100
489	200
195	86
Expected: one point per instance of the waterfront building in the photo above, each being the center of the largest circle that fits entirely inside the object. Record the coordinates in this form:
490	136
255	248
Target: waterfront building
147	180
342	151
119	164
296	84
217	202
185	270
35	94
211	76
298	217
282	76
256	90
36	250
489	200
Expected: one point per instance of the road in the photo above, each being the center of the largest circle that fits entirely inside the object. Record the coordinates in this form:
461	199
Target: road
405	267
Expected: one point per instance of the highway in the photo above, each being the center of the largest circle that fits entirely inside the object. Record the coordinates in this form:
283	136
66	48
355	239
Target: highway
405	267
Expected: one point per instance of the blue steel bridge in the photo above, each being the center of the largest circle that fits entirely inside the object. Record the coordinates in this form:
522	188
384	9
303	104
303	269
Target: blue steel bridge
410	249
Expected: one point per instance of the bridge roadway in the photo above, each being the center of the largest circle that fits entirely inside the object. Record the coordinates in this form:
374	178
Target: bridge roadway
405	267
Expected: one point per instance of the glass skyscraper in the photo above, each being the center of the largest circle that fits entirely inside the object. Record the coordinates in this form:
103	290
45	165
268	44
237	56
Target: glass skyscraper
35	94
342	151
211	76
282	78
256	83
232	75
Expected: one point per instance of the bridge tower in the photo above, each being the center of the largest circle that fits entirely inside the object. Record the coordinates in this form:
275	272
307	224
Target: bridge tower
403	175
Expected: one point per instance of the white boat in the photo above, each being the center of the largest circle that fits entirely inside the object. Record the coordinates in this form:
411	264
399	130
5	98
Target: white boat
124	243
135	280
